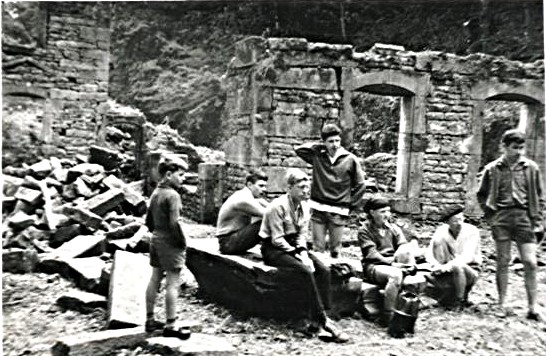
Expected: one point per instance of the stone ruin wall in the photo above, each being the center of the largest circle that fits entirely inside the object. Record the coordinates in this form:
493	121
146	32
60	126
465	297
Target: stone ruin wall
281	91
68	74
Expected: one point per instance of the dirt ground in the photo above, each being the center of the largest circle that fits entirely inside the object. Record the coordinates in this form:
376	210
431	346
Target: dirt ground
32	321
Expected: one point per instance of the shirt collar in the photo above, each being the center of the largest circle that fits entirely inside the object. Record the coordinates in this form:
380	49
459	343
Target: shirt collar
521	161
340	152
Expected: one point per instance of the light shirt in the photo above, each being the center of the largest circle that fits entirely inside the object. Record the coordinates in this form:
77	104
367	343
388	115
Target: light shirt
444	248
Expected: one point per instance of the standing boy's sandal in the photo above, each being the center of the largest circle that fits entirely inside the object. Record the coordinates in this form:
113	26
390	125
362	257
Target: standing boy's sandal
536	316
337	335
152	325
180	332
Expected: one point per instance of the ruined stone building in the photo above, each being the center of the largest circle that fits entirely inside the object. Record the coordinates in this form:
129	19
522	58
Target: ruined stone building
281	92
55	60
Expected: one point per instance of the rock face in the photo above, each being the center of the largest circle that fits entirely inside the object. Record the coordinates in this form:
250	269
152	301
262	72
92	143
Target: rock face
241	283
299	86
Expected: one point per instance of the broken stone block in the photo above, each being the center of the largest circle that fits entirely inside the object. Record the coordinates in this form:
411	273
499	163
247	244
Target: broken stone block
93	181
52	264
41	246
197	344
60	174
81	301
17	241
64	234
31	182
29	196
83	216
126	295
89	169
8	204
131	195
69	192
86	272
17	260
81	188
21	220
108	158
10	184
123	232
98	343
55	163
15	171
80	245
52	182
24	207
41	169
33	233
105	202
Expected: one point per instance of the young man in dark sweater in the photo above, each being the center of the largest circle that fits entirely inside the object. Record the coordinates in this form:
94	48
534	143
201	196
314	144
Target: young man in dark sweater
338	186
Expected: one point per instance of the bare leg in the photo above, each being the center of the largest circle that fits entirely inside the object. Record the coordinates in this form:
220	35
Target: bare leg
528	254
392	278
319	236
336	234
503	260
171	293
151	291
459	281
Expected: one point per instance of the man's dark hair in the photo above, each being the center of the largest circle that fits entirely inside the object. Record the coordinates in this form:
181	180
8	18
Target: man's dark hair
167	165
513	136
255	176
329	130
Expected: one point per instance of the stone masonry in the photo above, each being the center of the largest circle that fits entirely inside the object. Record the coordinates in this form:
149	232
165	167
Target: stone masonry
68	72
281	92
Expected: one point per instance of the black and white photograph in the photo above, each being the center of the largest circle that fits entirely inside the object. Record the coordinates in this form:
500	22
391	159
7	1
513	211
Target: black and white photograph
273	177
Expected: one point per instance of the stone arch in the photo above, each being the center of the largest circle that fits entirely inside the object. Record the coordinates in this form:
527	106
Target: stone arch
529	92
412	88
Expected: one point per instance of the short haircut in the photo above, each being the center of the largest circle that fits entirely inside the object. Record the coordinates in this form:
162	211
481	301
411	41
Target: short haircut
295	176
168	165
513	136
329	130
254	176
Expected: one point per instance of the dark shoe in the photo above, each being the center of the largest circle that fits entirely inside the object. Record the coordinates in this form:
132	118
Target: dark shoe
153	325
384	319
334	254
536	316
181	332
337	335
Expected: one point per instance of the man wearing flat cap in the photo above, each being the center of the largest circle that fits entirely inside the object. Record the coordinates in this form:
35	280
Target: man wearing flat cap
383	253
454	254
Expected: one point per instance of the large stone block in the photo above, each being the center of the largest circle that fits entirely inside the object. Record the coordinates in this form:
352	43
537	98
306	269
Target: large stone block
41	169
81	301
83	168
64	234
83	216
131	195
126	296
106	157
20	220
85	272
10	184
80	245
105	202
197	344
98	343
29	196
17	260
307	78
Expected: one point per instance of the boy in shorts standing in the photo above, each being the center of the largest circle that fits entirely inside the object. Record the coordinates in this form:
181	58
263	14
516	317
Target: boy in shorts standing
167	245
511	196
338	186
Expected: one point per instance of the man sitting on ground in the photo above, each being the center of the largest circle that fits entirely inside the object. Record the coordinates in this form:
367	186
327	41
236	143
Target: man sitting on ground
236	230
454	254
385	253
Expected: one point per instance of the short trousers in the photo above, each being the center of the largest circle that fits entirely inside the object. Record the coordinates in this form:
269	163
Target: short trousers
514	224
326	218
165	256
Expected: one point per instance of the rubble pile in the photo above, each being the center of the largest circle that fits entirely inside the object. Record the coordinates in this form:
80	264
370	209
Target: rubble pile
58	211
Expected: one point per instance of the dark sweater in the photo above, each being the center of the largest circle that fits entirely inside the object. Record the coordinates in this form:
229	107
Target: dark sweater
163	214
338	184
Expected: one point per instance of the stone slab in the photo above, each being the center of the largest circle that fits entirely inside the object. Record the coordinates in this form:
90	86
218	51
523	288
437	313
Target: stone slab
81	244
21	220
83	216
86	272
64	234
132	196
126	295
81	301
98	343
19	261
30	196
123	232
197	344
10	184
105	202
83	168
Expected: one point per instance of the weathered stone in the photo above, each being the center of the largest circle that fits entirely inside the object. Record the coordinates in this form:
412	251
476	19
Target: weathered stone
81	301
126	304
33	233
19	261
80	245
132	196
30	196
86	272
15	171
60	174
105	202
98	343
41	169
83	216
20	220
11	184
83	168
108	158
8	204
64	234
93	181
81	188
197	344
69	192
123	232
